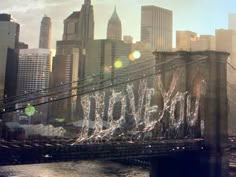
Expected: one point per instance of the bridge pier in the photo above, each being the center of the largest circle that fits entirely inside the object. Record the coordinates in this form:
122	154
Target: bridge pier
214	161
216	120
180	165
201	164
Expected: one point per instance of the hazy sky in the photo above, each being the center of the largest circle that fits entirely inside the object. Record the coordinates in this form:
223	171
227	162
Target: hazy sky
201	16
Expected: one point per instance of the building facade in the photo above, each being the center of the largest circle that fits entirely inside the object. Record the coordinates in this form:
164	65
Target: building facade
210	41
71	30
23	45
64	71
86	22
9	39
189	41
184	39
69	62
128	39
45	33
226	41
33	75
156	28
232	21
33	70
114	27
102	55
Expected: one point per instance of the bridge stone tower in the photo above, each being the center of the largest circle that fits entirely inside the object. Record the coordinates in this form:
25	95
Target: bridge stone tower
210	67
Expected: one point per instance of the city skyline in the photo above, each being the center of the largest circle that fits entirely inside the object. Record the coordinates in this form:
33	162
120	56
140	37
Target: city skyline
187	15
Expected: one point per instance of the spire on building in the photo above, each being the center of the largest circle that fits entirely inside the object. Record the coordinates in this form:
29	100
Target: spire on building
114	29
115	15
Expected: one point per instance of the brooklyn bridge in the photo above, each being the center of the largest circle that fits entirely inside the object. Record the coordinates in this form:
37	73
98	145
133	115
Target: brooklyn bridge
170	111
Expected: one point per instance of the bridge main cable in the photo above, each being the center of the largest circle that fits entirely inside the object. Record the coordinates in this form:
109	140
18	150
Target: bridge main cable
44	90
104	87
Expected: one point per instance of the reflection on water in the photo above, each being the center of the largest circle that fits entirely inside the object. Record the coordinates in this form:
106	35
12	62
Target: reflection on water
80	169
73	169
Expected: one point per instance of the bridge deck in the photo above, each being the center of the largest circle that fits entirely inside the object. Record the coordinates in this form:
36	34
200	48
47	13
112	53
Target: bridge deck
26	152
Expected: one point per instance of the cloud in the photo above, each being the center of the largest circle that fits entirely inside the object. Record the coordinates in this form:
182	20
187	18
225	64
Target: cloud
23	7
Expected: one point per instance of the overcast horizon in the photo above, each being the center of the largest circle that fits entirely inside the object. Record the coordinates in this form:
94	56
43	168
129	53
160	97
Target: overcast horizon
202	16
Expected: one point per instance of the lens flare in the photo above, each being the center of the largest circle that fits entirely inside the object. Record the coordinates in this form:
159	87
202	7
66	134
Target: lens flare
131	57
134	55
118	64
29	110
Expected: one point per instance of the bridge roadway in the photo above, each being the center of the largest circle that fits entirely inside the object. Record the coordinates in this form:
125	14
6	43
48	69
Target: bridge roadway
28	152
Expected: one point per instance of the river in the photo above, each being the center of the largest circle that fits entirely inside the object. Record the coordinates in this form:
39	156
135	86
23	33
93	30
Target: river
74	169
77	169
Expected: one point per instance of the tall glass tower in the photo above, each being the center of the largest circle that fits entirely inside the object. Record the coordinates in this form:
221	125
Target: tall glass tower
45	33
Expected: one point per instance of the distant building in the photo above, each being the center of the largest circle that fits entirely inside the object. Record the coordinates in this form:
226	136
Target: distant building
71	30
232	21
78	30
156	28
33	75
5	17
45	33
86	22
184	39
145	51
22	45
103	53
210	41
70	59
204	42
114	28
9	39
128	39
189	41
33	70
226	41
65	69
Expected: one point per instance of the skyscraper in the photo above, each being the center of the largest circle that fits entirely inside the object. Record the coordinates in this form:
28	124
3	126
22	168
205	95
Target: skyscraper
69	62
33	70
232	21
114	29
45	33
9	39
86	31
78	30
156	28
33	74
86	22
